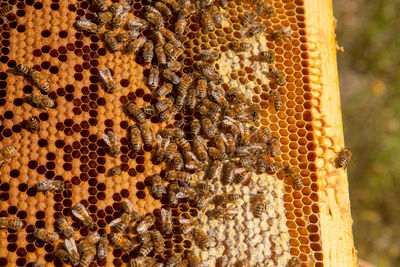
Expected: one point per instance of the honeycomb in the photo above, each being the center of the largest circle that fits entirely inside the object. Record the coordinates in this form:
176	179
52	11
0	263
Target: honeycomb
69	147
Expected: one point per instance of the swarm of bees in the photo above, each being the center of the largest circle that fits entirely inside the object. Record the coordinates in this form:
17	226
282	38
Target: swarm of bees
226	148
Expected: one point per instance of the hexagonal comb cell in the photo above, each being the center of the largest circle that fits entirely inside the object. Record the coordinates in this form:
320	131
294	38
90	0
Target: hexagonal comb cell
189	122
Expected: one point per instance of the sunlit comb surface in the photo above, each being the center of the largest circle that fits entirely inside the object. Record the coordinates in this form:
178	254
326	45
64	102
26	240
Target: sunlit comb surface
69	146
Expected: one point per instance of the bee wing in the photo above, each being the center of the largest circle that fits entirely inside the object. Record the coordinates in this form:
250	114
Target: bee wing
106	139
70	245
78	215
115	222
184	221
165	214
105	75
239	170
181	195
83	22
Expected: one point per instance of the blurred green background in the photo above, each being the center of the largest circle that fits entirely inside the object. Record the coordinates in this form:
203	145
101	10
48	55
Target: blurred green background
370	94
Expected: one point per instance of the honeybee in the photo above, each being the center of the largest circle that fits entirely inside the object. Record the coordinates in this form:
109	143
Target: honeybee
219	142
152	9
178	162
262	163
257	29
344	157
11	223
41	82
172	195
191	99
104	17
136	24
46	235
294	262
41	101
72	249
174	66
215	170
148	53
110	40
209	55
166	219
121	223
154	77
144	238
135	138
120	241
162	144
272	166
160	53
201	89
108	80
87	257
238	46
168	114
203	240
164	90
128	207
242	151
277	76
145	224
154	20
199	149
158	38
164	104
226	213
135	112
193	260
216	154
65	228
5	10
170	151
230	171
229	143
259	208
208	20
62	255
173	132
222	261
158	241
141	261
135	45
226	198
147	134
164	10
145	249
120	14
33	125
24	69
188	225
249	18
172	261
85	25
209	128
195	127
80	212
242	175
171	76
49	185
277	99
264	9
127	36
111	140
180	26
267	56
172	51
157	187
101	5
88	242
297	181
283	33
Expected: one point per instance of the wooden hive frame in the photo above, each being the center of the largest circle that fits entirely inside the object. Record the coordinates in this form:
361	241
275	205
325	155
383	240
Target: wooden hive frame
315	221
